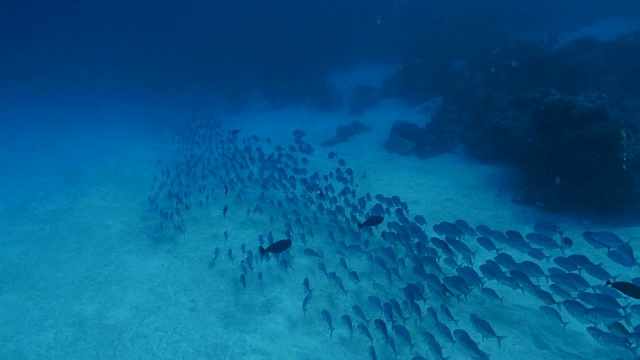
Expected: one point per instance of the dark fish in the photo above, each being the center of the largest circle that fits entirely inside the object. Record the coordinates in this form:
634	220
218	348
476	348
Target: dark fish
307	286
224	211
305	302
402	333
346	319
625	288
547	228
311	252
420	220
343	262
327	317
372	221
358	311
235	132
382	327
372	352
365	331
375	301
216	253
298	134
322	268
243	281
354	276
277	247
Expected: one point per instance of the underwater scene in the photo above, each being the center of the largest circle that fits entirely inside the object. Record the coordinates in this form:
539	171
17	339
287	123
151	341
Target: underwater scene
346	179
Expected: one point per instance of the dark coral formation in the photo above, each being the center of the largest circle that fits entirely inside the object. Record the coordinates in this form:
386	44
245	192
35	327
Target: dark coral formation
346	132
565	118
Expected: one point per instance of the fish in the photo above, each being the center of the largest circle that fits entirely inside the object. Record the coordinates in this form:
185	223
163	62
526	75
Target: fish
470	347
599	300
547	228
372	352
343	262
372	221
311	252
445	310
622	256
365	331
305	302
402	333
323	268
395	306
434	346
387	310
608	239
277	247
444	332
577	310
603	315
483	327
382	327
354	276
465	228
358	311
375	301
307	286
225	209
554	314
415	309
346	319
487	244
492	295
216	253
431	312
327	317
420	220
606	338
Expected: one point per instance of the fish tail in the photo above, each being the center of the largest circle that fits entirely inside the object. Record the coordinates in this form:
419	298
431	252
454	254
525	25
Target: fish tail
500	338
262	250
359	225
607	283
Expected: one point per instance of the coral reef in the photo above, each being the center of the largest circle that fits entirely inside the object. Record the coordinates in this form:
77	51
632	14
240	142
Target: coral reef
565	118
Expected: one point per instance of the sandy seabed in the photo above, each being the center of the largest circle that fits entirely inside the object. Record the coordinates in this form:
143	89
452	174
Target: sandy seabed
82	275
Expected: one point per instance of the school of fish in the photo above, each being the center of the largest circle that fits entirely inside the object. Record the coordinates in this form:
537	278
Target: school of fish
406	281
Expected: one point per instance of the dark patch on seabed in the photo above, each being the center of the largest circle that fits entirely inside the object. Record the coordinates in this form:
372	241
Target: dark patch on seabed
414	288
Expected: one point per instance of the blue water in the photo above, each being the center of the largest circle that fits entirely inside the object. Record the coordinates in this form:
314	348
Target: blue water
98	102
